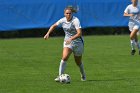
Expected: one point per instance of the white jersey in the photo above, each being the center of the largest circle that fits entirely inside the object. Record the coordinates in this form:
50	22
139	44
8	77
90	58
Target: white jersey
70	28
130	9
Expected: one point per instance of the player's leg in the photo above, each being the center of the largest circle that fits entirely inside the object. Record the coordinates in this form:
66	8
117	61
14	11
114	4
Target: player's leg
78	60
65	55
137	43
78	51
132	40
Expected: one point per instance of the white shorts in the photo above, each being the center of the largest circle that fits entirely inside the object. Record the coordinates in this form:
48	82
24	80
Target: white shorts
77	48
133	26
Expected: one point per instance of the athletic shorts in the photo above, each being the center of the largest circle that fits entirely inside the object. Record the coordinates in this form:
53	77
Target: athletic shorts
133	26
77	48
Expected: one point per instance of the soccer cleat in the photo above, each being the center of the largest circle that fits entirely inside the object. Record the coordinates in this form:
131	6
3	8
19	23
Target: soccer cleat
57	79
133	52
83	78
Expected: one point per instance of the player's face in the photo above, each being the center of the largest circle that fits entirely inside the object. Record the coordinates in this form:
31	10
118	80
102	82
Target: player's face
134	1
68	14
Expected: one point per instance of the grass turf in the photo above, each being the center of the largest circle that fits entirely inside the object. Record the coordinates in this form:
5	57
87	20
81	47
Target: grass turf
30	65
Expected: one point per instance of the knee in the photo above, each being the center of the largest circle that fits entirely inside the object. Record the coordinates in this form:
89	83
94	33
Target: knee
65	57
131	36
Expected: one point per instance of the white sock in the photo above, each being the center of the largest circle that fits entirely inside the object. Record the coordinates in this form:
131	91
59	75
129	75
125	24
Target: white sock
132	44
62	67
81	67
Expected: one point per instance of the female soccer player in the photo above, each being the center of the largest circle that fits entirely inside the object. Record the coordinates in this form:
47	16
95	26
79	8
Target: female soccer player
73	41
133	12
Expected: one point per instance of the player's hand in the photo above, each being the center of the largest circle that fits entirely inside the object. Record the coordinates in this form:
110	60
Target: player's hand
46	36
68	41
131	14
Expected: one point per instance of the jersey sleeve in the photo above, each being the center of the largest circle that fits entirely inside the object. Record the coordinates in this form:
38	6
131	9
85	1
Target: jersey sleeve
59	22
126	10
77	23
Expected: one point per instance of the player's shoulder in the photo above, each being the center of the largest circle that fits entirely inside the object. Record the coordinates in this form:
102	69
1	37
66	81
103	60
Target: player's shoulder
130	5
63	19
75	18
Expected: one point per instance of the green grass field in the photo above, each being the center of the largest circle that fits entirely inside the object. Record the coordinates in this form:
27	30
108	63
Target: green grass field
30	65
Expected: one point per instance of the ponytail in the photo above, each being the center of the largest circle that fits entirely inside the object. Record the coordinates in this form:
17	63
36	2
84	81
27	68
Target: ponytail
73	9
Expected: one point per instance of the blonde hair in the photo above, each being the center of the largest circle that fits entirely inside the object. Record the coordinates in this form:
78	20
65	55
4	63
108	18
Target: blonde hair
73	9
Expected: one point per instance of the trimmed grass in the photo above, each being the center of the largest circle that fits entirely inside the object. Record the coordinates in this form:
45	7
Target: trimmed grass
30	65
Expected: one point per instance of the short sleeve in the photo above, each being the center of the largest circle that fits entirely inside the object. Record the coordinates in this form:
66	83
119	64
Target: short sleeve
126	10
59	22
77	23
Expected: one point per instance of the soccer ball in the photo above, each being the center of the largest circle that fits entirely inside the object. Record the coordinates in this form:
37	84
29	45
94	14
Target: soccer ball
65	78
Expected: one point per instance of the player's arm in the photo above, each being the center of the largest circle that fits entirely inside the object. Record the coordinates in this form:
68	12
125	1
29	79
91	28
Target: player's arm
79	33
126	12
78	29
51	29
129	15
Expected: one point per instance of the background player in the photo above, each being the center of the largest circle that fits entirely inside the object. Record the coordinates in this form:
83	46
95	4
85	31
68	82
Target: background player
133	11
